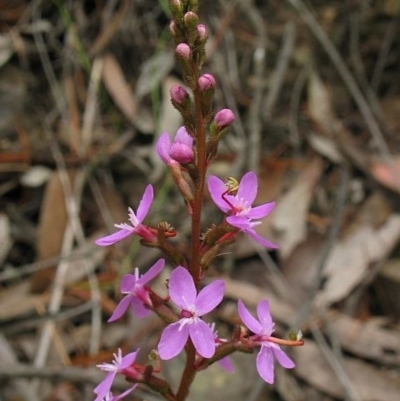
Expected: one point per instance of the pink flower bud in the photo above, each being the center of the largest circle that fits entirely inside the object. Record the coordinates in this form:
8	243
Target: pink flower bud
178	94
224	118
202	32
206	82
183	51
181	152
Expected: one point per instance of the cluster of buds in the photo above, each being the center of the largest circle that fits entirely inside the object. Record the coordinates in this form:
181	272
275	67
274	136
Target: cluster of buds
188	156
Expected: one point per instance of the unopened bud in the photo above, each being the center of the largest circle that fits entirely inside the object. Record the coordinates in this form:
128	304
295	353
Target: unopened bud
176	8
206	82
183	51
190	20
202	33
178	94
181	152
224	118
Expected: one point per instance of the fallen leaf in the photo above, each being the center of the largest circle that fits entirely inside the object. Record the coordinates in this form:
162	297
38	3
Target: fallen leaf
370	382
119	89
289	219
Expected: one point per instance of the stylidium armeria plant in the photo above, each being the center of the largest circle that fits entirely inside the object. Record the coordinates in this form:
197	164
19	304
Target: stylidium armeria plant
188	156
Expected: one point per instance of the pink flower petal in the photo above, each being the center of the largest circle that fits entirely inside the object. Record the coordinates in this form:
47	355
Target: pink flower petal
248	187
248	319
139	310
209	297
265	364
163	146
259	212
104	386
216	187
203	338
145	203
239	222
264	316
128	359
283	359
120	308
183	137
262	241
172	341
113	238
152	272
128	283
181	288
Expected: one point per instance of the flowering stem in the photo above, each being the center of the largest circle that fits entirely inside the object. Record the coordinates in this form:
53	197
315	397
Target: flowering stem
198	198
188	374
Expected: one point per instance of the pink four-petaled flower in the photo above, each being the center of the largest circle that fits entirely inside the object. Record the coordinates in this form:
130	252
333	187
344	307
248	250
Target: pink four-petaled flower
183	293
136	292
119	364
263	328
136	219
240	212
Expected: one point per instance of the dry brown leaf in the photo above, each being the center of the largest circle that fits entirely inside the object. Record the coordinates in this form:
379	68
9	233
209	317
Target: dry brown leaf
366	339
118	88
52	224
369	381
350	257
289	219
320	104
16	301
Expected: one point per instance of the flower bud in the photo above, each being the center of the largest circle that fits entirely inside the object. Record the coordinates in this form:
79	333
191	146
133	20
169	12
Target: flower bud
192	5
190	20
182	153
176	8
224	118
202	33
206	82
178	94
183	51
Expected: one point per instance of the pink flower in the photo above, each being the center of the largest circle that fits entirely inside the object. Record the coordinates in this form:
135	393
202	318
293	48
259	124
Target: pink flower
118	365
136	292
136	226
238	207
183	293
180	151
263	328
